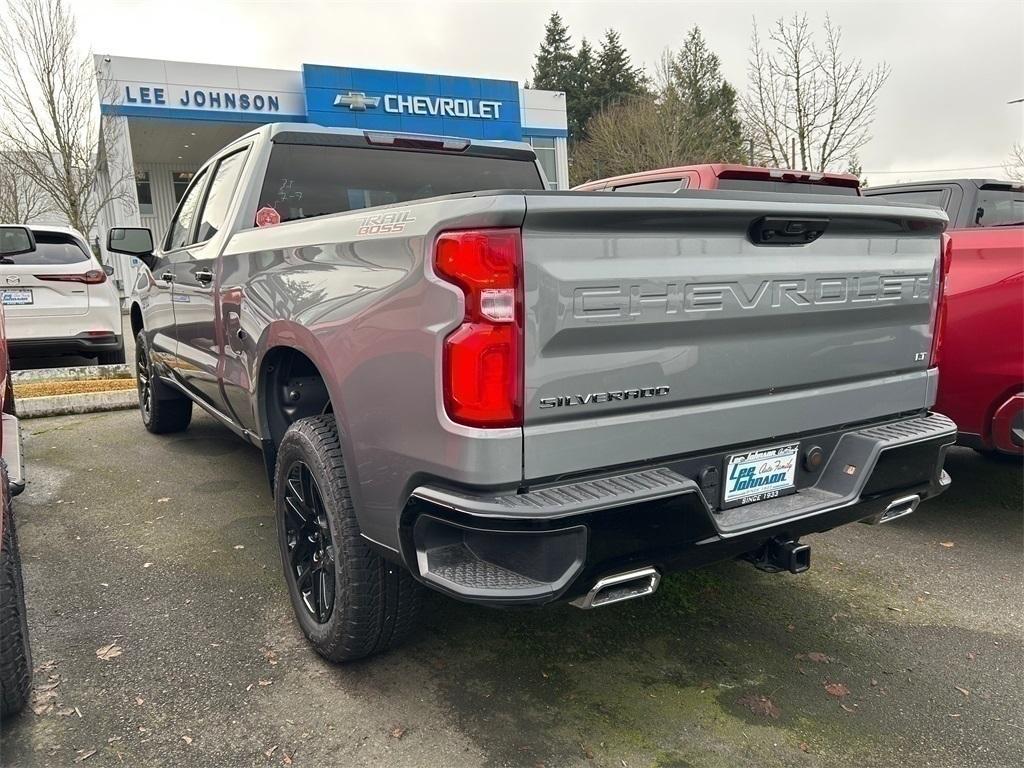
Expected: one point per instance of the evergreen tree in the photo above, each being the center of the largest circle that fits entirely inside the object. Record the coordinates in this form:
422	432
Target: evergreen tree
581	103
553	65
615	77
701	103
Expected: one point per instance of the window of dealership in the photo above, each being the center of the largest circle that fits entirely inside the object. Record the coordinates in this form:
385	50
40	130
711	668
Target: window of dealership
163	119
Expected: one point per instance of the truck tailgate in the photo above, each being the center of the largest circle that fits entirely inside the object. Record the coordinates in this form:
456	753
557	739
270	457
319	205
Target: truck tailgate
655	326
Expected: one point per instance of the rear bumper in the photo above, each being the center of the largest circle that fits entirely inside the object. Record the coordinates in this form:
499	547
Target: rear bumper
554	542
73	345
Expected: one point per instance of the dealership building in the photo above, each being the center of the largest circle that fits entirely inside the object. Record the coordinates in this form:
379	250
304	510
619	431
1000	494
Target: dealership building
161	120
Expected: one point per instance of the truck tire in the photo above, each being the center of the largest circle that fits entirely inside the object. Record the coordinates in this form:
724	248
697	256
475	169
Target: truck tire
163	409
349	601
15	653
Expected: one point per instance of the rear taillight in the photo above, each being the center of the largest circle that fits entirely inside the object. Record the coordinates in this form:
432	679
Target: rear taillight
939	315
483	358
92	277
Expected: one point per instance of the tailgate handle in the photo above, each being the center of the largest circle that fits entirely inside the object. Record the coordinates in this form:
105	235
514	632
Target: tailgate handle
779	230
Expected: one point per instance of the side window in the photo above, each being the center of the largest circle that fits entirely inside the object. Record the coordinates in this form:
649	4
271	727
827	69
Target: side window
999	207
222	189
181	224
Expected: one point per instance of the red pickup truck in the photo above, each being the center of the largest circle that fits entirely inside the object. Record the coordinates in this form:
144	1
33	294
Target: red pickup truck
981	368
747	178
15	654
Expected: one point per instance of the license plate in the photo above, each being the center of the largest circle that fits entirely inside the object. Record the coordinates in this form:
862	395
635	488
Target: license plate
14	298
760	474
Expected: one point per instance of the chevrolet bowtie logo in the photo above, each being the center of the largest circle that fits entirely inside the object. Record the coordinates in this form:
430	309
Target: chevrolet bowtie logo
356	100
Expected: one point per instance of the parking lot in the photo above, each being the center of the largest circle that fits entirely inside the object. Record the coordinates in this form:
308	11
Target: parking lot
902	646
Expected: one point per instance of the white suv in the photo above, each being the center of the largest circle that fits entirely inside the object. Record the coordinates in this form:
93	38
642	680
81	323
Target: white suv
59	300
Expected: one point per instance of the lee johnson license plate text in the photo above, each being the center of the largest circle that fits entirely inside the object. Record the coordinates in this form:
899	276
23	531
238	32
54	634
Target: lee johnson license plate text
760	474
16	297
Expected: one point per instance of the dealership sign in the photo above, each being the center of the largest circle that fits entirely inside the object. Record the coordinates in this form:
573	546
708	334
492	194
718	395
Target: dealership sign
200	98
404	104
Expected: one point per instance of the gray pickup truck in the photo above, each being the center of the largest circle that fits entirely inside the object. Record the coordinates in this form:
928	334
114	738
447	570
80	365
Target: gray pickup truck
515	396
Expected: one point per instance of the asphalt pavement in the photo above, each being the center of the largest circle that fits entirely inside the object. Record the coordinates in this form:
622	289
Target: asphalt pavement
157	606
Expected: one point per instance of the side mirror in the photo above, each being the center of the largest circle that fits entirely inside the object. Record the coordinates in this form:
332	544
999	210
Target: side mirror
108	269
16	240
132	241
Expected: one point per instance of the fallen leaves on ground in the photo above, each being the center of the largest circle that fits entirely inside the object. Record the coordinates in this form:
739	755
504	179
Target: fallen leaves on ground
815	656
804	746
947	544
760	705
48	388
286	758
108	652
397	731
964	691
84	754
837	690
43	702
187	739
271	656
264	683
270	751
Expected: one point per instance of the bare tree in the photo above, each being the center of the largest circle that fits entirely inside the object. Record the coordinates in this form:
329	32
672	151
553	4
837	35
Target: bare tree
48	113
21	200
635	135
808	106
1015	164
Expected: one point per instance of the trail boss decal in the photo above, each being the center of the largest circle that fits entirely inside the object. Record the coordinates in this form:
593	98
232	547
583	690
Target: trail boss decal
390	223
591	398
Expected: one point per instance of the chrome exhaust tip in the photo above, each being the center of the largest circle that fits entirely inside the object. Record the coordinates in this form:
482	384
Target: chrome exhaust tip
620	587
897	508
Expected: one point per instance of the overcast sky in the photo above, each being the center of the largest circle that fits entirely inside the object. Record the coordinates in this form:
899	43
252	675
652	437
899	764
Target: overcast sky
955	65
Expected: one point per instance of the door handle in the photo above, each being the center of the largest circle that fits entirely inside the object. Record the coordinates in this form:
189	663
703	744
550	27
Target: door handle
167	277
203	276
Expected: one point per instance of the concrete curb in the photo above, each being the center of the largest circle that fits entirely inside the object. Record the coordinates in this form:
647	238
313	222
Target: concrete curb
86	402
77	373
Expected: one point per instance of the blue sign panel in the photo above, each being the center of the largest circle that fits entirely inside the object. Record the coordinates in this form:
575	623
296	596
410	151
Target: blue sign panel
376	99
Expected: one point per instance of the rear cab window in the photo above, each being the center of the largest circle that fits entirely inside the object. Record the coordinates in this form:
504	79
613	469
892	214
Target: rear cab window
999	206
308	180
51	248
665	186
936	197
773	185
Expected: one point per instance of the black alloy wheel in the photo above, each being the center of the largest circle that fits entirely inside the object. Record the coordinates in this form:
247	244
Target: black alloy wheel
142	379
311	552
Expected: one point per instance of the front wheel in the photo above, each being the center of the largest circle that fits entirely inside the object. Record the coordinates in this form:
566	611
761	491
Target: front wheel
349	601
163	410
